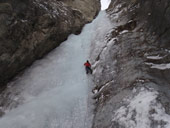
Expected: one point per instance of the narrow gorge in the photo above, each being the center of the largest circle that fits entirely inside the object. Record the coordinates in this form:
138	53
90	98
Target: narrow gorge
44	44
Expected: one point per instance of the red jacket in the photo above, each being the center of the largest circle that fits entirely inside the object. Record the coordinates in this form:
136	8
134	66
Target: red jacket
87	64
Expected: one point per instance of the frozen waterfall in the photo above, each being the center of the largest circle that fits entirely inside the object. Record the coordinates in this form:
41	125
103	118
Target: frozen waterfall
54	91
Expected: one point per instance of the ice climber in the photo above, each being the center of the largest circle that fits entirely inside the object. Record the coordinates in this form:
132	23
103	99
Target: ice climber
88	67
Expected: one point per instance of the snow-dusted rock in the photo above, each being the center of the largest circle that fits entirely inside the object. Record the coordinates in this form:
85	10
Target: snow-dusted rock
134	91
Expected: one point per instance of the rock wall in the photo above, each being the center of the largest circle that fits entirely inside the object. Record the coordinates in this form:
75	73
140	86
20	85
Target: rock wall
31	28
132	89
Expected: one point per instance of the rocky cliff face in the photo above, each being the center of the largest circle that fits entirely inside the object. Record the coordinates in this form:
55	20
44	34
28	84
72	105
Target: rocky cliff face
31	28
132	86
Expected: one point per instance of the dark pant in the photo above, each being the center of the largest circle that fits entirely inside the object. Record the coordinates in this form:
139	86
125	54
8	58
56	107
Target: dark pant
88	70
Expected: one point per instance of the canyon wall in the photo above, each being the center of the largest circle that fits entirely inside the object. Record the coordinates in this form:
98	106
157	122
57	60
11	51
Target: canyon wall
132	72
29	29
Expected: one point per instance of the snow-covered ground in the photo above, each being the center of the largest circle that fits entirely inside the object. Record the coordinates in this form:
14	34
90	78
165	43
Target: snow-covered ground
53	92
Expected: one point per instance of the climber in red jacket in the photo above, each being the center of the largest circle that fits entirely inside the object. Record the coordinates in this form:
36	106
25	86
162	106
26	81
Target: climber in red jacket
88	67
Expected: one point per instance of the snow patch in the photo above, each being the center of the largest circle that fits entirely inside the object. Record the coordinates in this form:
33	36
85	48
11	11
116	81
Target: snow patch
125	31
154	57
167	50
95	64
159	66
111	42
140	110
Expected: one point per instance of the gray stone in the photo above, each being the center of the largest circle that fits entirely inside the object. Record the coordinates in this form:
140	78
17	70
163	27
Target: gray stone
148	35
